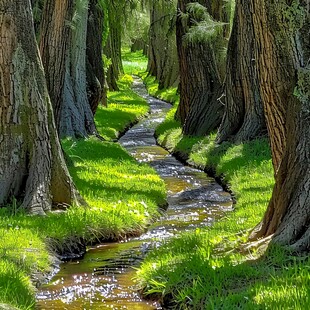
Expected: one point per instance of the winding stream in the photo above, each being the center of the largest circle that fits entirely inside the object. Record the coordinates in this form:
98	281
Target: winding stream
103	279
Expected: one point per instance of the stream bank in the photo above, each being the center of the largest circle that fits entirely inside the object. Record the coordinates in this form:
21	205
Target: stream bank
103	279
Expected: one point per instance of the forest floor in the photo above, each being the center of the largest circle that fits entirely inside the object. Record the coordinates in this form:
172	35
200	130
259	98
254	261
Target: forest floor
118	190
213	268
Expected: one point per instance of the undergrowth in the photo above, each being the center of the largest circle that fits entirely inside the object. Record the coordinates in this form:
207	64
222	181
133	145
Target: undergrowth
122	196
211	268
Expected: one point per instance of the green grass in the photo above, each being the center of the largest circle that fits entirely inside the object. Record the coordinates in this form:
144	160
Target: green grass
170	95
123	197
134	63
124	108
209	268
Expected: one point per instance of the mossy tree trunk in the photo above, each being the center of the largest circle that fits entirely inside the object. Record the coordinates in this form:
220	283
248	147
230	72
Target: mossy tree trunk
63	50
96	90
199	110
244	113
32	167
281	30
163	57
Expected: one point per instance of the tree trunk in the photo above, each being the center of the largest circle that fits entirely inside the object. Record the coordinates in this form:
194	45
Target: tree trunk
63	50
288	213
32	167
200	79
54	45
113	48
244	114
163	57
95	71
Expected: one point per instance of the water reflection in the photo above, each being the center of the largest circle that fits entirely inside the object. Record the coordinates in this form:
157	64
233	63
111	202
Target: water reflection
104	278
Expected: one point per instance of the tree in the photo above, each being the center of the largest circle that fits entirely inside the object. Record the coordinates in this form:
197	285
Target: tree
96	89
244	113
162	53
63	51
32	167
281	31
200	72
113	47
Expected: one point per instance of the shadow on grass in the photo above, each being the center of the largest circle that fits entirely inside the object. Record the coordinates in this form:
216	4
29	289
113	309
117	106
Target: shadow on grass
121	169
93	150
110	122
123	190
268	283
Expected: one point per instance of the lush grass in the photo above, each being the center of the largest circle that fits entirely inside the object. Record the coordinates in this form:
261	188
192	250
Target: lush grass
210	268
170	95
124	108
123	197
134	63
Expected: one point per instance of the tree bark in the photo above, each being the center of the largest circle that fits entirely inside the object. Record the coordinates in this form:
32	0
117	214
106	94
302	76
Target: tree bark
244	113
285	58
54	44
63	50
200	79
32	167
163	57
113	48
96	90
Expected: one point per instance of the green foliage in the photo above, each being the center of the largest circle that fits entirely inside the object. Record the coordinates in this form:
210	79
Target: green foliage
136	27
123	197
202	26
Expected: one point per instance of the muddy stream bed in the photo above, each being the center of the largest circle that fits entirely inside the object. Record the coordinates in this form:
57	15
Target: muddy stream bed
103	279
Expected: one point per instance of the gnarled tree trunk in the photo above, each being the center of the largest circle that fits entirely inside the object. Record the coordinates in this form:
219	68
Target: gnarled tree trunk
244	113
63	50
199	110
284	54
32	167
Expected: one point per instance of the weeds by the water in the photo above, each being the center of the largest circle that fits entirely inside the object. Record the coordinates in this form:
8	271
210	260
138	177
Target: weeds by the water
209	268
123	197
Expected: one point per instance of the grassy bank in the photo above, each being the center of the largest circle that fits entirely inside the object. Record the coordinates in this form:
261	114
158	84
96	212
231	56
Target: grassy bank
123	197
209	268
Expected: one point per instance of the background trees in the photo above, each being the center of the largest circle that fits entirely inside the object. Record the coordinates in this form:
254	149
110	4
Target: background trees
162	50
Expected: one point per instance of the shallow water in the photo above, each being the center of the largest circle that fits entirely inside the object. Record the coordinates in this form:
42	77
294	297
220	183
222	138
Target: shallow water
104	278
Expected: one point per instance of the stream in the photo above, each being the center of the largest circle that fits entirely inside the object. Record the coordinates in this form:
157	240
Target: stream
103	279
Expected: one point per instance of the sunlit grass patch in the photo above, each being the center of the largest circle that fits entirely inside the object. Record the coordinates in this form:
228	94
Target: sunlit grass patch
134	63
205	269
124	108
122	195
170	95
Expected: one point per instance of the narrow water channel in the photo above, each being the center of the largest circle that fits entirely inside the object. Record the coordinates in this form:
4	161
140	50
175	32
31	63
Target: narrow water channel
104	278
